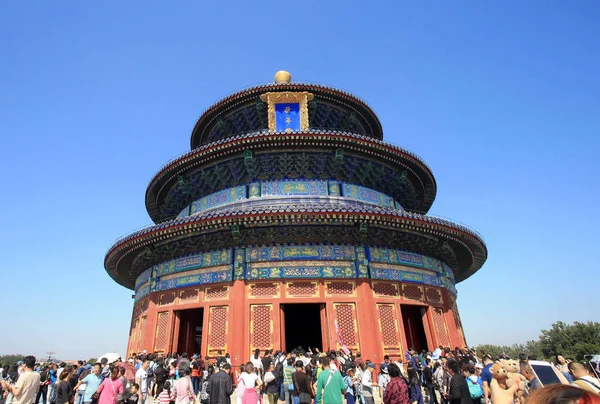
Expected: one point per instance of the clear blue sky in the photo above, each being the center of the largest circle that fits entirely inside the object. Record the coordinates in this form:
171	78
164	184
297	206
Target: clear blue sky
500	98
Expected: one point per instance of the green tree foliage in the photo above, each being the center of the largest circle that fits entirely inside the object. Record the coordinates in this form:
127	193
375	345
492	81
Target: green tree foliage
571	340
530	348
11	359
91	361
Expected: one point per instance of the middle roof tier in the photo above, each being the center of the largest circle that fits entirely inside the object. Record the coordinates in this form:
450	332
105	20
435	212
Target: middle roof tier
272	156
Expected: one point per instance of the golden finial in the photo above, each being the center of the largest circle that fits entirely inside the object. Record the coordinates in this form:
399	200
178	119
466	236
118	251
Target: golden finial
283	77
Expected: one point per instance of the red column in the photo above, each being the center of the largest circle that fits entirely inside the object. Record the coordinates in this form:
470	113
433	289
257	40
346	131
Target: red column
368	330
238	324
150	334
453	333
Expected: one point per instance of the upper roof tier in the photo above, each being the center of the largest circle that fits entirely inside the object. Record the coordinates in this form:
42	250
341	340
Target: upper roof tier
248	111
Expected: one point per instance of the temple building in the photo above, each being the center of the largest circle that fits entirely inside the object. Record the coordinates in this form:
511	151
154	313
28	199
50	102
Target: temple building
289	223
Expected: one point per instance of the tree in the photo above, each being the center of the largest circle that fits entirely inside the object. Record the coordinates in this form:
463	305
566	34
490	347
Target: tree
571	341
11	359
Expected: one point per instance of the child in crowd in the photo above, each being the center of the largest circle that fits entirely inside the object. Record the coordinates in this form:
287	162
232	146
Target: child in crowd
134	395
165	395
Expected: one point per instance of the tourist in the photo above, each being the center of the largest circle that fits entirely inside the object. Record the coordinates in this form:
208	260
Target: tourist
366	381
164	397
266	360
256	361
582	378
111	387
272	383
532	383
474	384
288	370
183	391
458	391
141	378
51	398
91	382
250	381
428	382
486	376
350	394
133	395
105	369
64	391
160	377
204	395
559	394
195	375
396	391
330	386
44	382
414	386
383	378
220	386
303	391
25	389
172	370
184	364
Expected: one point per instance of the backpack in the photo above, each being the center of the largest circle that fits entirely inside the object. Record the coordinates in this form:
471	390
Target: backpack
474	388
279	368
151	369
161	374
221	361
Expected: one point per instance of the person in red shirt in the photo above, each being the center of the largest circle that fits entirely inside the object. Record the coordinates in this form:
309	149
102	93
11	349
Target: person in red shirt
396	391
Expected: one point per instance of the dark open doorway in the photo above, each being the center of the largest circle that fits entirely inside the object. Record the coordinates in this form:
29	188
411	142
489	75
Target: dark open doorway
190	331
412	318
302	326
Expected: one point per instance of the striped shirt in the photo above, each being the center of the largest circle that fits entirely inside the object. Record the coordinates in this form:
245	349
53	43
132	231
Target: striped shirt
287	374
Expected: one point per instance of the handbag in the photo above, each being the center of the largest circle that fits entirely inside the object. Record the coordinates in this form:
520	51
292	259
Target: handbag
241	388
305	397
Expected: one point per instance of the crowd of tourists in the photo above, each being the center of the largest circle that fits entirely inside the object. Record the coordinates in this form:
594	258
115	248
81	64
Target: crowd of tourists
297	377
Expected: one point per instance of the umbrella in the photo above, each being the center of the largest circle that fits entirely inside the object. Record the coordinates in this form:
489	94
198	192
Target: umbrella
110	357
129	369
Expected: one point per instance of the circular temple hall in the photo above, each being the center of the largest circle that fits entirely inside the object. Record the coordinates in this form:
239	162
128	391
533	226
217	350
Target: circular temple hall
289	223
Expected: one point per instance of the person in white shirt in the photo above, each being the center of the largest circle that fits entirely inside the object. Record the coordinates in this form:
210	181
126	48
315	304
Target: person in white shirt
141	378
583	379
255	359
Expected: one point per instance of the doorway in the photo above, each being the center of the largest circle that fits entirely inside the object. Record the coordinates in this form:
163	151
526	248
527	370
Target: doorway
190	331
412	318
302	326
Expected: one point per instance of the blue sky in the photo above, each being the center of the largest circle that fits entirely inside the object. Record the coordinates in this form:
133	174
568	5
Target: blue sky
499	98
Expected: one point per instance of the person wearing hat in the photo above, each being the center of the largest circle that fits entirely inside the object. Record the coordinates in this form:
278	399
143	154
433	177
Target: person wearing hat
367	383
383	378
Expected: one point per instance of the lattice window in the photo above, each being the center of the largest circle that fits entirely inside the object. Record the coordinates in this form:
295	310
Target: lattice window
217	337
347	323
340	288
440	327
261	326
144	306
433	295
162	330
413	292
216	293
166	299
188	296
264	290
388	325
302	288
385	289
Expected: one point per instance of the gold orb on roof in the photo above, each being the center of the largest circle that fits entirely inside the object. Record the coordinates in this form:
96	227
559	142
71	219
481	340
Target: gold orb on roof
283	77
